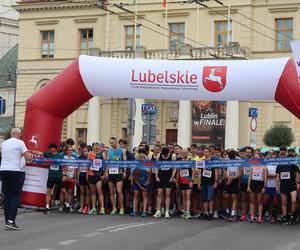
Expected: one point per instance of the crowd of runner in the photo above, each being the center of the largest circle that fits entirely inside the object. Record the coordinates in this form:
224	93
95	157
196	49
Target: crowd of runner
254	194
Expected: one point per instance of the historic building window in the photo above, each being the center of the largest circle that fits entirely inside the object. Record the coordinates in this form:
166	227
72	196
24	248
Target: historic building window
129	37
81	135
86	41
221	33
284	33
47	44
177	32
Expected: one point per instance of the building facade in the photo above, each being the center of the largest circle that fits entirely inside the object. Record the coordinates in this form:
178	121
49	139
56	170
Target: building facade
53	33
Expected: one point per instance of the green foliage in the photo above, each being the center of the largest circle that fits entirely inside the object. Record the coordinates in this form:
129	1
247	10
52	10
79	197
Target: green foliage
278	135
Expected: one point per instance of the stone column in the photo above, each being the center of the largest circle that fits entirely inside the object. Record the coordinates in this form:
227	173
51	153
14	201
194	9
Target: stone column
93	128
232	125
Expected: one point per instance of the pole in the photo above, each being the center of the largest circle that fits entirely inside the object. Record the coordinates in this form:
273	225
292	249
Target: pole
229	23
149	124
166	26
107	31
135	23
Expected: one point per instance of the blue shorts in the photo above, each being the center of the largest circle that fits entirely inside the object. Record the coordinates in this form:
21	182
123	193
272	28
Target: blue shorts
271	191
136	187
207	193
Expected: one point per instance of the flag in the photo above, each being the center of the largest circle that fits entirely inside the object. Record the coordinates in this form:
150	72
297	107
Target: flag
164	4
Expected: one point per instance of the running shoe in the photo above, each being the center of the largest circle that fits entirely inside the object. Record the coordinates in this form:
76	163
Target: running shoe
210	217
113	212
133	214
122	213
183	215
216	217
93	211
188	215
80	210
243	217
167	214
68	210
273	219
102	211
12	226
232	218
60	209
260	220
85	210
144	214
47	211
251	220
157	214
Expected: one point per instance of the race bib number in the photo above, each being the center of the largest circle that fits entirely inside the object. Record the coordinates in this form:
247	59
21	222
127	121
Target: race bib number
54	167
246	171
71	172
82	169
257	176
285	175
113	170
184	172
165	169
207	173
97	164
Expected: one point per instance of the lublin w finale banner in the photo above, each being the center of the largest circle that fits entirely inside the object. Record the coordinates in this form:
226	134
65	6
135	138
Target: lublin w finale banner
208	122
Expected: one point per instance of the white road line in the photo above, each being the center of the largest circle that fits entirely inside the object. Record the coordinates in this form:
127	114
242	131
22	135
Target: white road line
115	226
92	234
66	242
133	226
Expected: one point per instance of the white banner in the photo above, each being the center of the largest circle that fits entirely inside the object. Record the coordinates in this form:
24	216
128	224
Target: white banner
295	44
182	80
35	180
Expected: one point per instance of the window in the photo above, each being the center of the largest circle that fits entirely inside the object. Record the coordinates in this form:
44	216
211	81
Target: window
48	44
129	37
81	135
177	31
86	41
221	33
284	33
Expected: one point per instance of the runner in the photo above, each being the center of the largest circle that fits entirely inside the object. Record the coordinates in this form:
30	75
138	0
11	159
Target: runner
207	183
96	178
176	192
288	182
195	191
83	184
185	184
232	187
165	181
116	176
55	176
245	153
69	175
126	183
140	178
256	187
270	196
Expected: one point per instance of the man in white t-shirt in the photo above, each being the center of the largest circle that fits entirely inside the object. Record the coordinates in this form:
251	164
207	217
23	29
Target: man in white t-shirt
12	169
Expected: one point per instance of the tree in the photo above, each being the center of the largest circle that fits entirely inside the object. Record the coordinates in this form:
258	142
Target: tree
277	135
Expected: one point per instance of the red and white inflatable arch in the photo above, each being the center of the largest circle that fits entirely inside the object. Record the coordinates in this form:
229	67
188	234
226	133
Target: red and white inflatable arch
270	79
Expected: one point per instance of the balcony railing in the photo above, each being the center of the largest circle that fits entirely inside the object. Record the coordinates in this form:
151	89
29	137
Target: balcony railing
233	51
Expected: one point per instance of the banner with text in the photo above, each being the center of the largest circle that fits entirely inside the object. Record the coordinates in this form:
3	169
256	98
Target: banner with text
208	122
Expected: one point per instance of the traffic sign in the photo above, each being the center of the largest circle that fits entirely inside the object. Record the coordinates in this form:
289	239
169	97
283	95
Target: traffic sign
253	112
253	124
149	108
2	106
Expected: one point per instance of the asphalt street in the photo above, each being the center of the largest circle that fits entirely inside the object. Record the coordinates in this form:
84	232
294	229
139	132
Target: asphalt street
73	231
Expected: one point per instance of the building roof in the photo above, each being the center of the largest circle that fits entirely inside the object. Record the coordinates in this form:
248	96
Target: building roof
8	68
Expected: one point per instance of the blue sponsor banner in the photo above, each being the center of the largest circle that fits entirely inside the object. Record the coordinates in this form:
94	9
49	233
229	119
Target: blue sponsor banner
172	164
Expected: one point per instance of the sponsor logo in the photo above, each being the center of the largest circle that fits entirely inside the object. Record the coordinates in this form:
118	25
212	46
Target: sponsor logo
214	78
33	141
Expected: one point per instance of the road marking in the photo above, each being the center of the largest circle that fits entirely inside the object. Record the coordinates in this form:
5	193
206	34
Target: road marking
66	242
133	226
92	234
115	226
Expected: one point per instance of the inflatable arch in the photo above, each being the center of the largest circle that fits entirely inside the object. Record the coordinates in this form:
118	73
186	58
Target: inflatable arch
269	79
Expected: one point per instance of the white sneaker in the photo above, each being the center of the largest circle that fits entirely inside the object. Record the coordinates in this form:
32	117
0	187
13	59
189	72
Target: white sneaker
157	214
216	215
60	209
167	214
